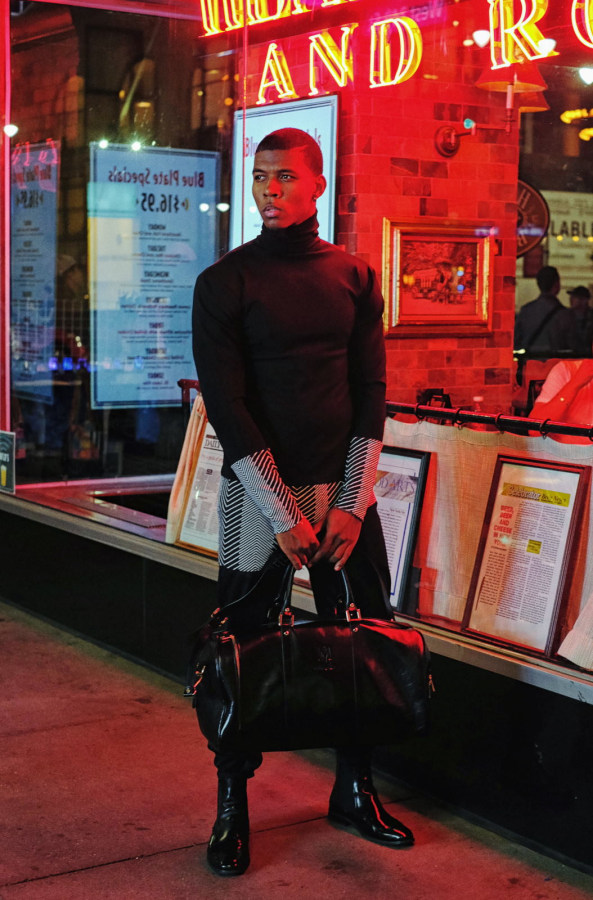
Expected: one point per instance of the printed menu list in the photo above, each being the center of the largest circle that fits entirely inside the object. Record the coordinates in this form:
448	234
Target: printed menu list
152	229
34	187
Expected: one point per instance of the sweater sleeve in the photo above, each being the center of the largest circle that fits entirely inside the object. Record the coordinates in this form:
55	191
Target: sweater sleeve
359	477
367	379
220	362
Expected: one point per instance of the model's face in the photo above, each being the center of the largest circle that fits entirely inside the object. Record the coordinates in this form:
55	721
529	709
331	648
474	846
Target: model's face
284	187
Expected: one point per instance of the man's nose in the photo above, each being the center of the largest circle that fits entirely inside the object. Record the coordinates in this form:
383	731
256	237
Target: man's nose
272	187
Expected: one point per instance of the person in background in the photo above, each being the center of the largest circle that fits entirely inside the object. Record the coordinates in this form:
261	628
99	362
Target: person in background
544	325
290	353
582	319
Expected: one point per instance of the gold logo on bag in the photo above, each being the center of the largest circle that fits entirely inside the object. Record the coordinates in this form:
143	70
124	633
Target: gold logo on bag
325	661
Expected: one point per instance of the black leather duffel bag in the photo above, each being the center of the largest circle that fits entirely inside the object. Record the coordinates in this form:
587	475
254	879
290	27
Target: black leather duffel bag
289	685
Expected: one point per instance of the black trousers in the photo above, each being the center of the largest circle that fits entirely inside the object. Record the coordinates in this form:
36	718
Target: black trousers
368	573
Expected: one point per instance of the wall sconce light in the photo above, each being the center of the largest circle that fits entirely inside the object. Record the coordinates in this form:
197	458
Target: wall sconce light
518	78
532	102
523	79
447	139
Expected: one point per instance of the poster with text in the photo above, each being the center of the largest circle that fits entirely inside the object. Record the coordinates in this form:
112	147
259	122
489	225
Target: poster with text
523	560
318	117
152	228
7	461
399	488
35	170
199	526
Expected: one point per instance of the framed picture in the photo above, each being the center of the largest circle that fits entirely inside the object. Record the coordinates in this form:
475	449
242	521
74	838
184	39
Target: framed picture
437	279
399	489
520	578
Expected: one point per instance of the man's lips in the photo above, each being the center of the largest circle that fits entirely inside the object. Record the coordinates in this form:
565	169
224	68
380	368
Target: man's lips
271	210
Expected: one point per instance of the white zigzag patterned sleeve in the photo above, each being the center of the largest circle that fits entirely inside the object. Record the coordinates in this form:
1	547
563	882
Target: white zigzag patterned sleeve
360	473
259	476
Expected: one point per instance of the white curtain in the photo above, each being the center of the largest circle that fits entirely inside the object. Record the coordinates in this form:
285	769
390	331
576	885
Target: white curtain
459	480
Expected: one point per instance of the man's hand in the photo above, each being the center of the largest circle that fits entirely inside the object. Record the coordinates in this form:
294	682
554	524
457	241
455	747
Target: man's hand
339	533
298	543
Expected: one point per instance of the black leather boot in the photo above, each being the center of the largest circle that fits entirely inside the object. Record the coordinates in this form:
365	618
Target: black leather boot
228	850
354	804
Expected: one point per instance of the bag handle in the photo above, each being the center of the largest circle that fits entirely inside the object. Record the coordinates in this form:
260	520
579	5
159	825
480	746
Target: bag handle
280	603
345	602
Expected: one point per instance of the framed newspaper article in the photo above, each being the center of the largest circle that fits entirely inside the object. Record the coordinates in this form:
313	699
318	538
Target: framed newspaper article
399	489
198	527
521	574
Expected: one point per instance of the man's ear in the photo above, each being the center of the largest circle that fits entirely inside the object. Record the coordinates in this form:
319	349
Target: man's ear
320	186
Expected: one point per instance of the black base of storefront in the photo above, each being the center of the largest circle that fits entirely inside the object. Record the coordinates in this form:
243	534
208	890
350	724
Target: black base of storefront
514	756
139	607
507	754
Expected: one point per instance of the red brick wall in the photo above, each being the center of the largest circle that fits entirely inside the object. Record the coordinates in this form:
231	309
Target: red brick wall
388	167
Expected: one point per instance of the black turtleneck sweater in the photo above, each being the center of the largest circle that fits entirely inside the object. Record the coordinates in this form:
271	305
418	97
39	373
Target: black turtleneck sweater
289	350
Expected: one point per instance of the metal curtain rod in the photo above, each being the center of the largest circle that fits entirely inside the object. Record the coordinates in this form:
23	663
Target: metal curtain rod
512	424
459	416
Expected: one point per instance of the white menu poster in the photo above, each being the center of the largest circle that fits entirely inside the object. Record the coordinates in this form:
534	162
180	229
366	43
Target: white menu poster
318	117
517	584
35	170
152	229
199	527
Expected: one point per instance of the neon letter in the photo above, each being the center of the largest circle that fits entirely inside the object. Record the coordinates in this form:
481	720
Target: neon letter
337	60
582	21
383	70
259	10
507	36
279	76
227	15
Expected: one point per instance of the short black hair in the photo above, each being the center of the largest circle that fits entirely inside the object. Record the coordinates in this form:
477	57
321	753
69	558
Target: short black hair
547	277
294	139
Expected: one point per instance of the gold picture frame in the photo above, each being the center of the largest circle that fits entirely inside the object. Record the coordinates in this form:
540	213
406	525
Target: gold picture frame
437	279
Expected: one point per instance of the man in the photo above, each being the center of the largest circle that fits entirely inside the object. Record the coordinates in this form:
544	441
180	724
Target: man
580	298
289	349
544	325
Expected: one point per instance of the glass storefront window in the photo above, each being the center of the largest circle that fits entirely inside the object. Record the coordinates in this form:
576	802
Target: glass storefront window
119	196
123	185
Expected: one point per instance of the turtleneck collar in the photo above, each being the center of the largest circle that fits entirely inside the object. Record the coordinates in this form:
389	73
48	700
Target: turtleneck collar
291	241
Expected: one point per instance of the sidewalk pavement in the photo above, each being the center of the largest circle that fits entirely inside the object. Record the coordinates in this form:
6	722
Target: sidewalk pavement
108	791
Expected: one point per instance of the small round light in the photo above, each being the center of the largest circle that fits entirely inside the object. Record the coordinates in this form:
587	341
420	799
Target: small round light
204	207
546	45
10	130
586	74
223	207
103	144
481	36
136	145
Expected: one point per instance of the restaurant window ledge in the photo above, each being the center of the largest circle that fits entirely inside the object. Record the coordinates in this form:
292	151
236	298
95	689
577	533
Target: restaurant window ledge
135	505
121	512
